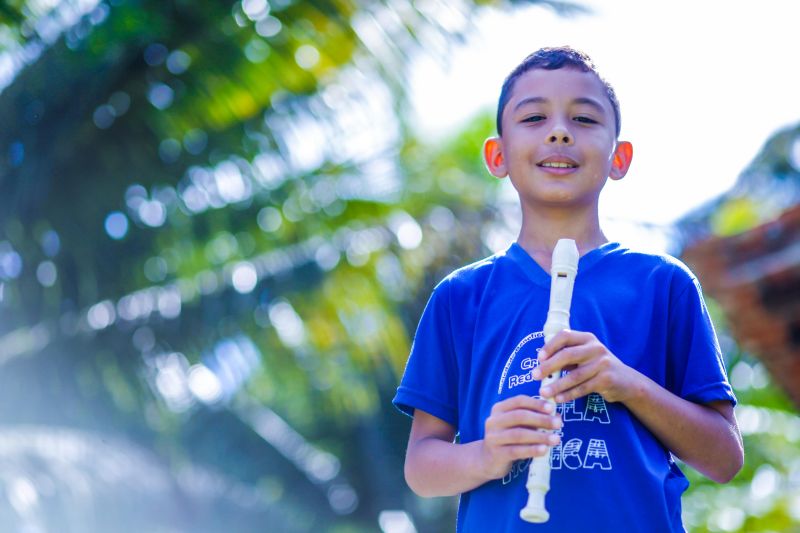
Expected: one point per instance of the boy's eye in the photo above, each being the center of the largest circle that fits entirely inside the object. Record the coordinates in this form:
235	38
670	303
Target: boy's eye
585	120
534	118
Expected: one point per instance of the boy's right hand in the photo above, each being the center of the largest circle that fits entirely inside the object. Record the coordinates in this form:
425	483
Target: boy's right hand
514	430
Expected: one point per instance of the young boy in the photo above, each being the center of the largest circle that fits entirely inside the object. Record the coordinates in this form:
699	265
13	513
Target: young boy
644	379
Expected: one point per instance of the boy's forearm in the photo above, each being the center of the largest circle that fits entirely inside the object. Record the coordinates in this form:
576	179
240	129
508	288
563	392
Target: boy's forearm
435	467
699	435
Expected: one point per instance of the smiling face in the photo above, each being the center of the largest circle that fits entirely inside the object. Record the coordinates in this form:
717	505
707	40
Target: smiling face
559	139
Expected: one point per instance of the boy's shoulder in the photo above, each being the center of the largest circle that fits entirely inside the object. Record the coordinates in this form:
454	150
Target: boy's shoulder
653	259
660	265
476	274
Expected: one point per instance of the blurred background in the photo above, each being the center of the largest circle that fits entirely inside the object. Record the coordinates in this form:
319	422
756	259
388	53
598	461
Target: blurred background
220	222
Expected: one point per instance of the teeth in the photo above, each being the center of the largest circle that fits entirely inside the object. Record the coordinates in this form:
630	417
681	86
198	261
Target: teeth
558	165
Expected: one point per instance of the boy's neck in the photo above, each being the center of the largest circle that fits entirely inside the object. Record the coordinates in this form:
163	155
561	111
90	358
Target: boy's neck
539	234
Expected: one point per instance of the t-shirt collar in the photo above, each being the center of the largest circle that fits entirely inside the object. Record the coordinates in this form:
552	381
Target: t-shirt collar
539	276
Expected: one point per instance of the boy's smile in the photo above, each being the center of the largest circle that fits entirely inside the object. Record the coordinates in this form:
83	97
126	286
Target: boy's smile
558	164
559	139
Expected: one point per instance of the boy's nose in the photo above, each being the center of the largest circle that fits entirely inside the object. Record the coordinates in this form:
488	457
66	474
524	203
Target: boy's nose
559	135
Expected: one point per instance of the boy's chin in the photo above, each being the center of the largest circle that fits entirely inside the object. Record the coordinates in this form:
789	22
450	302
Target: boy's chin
558	199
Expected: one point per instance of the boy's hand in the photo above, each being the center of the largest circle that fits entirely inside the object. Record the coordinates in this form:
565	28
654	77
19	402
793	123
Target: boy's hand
592	368
514	431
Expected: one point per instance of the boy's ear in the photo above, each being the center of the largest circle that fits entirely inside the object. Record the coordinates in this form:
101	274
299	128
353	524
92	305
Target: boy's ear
493	157
623	155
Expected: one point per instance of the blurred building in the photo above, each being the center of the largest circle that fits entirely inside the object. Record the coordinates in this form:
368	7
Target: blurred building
745	248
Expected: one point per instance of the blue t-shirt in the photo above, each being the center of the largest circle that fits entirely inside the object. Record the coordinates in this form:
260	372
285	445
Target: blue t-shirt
477	343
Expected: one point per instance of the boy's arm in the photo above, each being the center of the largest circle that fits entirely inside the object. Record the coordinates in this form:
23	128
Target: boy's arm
705	437
437	466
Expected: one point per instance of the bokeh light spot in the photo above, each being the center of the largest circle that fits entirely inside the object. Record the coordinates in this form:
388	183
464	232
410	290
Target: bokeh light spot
160	95
171	382
155	269
169	303
231	185
269	219
195	141
204	384
155	54
46	273
306	56
395	521
178	62
144	339
342	498
327	257
288	324
101	315
268	26
103	117
442	219
765	482
406	229
10	262
169	150
116	225
51	243
255	9
727	519
256	50
152	213
409	234
22	495
244	277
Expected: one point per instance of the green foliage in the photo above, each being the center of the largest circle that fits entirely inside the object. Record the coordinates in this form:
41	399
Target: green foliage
763	496
735	216
194	192
11	13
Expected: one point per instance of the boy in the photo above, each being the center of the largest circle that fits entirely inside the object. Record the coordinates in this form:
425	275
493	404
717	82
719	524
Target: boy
644	379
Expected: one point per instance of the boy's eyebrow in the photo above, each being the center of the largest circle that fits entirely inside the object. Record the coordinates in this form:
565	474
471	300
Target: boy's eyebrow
590	102
542	100
530	100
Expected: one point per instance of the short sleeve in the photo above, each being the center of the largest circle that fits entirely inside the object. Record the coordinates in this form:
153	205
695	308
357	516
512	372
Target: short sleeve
696	369
430	379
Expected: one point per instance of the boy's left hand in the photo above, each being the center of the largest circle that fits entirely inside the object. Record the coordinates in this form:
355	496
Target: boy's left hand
591	368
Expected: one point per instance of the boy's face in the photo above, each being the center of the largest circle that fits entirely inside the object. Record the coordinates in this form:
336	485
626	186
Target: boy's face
559	139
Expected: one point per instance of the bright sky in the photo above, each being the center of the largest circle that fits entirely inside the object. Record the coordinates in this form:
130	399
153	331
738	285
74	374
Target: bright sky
702	85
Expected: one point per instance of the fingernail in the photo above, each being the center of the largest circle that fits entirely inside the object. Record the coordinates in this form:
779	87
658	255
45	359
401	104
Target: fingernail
545	391
537	374
553	439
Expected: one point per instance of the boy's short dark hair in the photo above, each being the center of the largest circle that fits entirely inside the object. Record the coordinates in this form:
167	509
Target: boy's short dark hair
553	59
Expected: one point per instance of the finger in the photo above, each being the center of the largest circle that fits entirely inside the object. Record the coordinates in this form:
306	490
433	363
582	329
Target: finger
571	359
525	419
585	388
566	357
562	339
522	436
592	380
525	451
574	378
522	401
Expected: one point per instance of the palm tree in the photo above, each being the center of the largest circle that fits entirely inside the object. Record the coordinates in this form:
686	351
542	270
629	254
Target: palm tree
216	234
